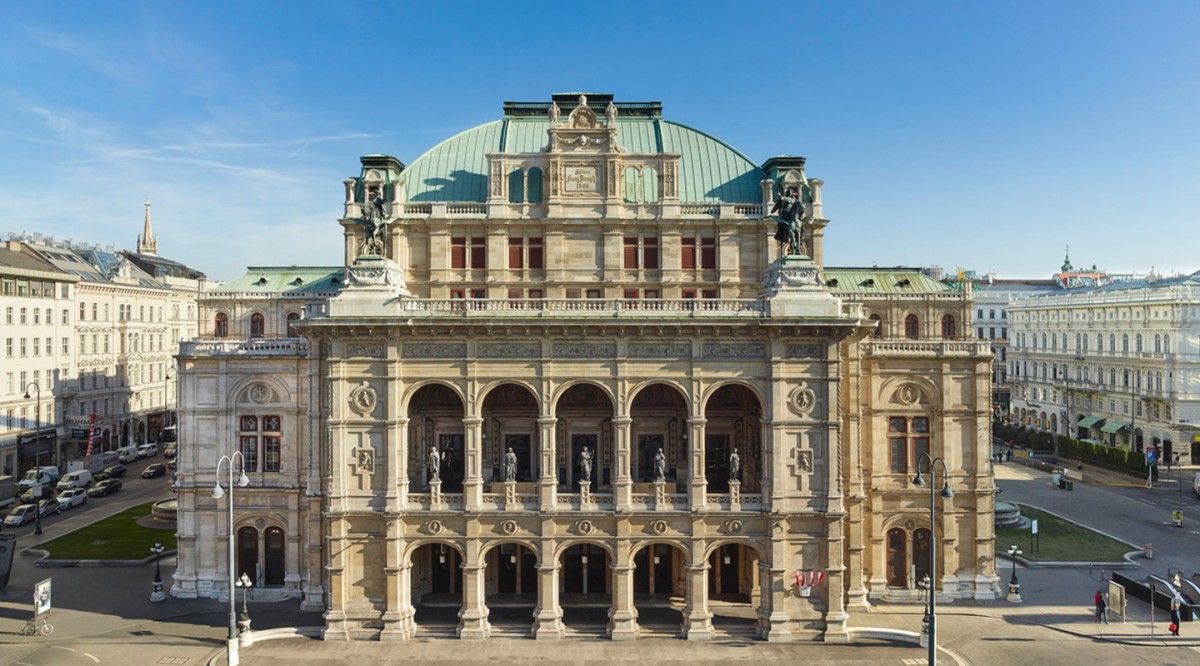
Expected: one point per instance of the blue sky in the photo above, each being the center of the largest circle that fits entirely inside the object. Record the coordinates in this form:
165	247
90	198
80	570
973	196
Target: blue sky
987	135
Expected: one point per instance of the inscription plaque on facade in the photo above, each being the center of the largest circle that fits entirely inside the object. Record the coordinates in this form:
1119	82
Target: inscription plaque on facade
581	179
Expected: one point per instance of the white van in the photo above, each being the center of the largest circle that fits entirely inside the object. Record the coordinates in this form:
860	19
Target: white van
80	478
127	454
43	476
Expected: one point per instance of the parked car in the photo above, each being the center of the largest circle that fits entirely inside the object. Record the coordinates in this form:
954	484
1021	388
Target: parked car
154	470
72	497
127	454
147	450
170	450
111	472
49	507
19	515
105	488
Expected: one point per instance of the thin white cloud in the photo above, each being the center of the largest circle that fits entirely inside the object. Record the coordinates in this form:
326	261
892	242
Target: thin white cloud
87	54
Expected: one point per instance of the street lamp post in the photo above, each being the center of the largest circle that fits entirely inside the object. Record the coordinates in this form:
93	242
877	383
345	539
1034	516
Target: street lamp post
166	409
157	594
37	442
1014	588
933	549
231	642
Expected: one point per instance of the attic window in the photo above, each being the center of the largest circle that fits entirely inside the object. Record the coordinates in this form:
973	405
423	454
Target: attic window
869	282
832	282
904	283
261	281
336	280
297	282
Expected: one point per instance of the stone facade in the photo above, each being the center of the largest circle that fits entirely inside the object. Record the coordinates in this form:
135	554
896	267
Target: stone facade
592	393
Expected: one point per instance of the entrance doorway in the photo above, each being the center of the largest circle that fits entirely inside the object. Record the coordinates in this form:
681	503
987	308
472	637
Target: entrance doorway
445	570
659	587
274	569
585	571
516	568
897	559
723	567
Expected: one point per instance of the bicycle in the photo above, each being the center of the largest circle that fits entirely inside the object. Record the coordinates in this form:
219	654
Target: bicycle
37	626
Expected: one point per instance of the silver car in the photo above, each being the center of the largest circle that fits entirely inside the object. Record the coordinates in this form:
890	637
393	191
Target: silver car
72	497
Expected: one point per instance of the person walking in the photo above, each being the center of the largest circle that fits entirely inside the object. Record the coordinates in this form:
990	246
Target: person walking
1101	607
1174	618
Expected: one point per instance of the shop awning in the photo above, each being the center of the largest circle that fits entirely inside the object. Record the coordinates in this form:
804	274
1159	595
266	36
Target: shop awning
1089	421
1114	426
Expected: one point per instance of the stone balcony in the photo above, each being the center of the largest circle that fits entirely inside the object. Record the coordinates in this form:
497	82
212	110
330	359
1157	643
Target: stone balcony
936	348
253	347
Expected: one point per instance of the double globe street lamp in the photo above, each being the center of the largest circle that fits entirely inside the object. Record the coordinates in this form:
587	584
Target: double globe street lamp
946	493
231	643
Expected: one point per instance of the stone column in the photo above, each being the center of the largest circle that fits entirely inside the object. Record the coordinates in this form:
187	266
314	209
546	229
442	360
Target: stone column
473	461
834	587
548	481
397	591
547	617
472	620
623	488
622	617
774	625
699	483
400	463
697	620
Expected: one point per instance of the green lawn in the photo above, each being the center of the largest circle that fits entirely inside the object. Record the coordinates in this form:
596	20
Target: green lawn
1060	541
117	537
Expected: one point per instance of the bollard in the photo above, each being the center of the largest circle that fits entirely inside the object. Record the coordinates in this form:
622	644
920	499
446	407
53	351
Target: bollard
1149	551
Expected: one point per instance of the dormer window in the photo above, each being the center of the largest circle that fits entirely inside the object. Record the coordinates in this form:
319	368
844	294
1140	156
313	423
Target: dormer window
260	281
297	282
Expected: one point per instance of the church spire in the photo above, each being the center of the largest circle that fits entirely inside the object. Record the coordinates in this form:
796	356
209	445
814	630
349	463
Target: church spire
147	244
1066	267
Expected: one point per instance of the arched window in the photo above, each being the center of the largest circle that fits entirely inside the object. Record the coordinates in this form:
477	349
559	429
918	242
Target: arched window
257	325
912	328
516	186
1138	343
948	327
1112	342
1158	381
1085	342
221	325
1044	341
1124	342
1166	343
1125	378
534	179
1054	343
650	185
631	185
1064	342
1112	376
1099	342
1078	342
878	332
1157	343
292	318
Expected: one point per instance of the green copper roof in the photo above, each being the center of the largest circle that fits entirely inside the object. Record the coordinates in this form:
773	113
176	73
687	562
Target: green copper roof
285	279
881	281
710	170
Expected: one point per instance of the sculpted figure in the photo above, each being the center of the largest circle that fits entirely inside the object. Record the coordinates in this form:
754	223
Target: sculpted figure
735	466
585	465
790	209
660	466
435	464
510	465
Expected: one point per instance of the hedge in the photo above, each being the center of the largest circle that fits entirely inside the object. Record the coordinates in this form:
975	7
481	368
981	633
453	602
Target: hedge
1100	455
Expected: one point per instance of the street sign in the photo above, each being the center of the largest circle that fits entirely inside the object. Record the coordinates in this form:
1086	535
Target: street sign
1033	524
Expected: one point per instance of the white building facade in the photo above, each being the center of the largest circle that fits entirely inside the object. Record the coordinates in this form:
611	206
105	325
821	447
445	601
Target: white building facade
1117	363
